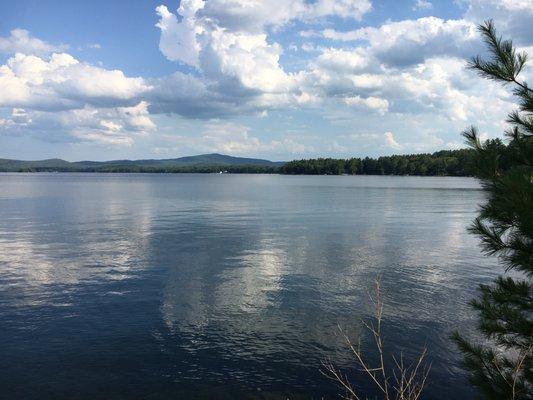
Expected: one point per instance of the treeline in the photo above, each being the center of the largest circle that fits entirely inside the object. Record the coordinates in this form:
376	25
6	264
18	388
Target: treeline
444	162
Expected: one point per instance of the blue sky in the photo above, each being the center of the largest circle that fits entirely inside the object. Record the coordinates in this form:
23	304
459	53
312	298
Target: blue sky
277	79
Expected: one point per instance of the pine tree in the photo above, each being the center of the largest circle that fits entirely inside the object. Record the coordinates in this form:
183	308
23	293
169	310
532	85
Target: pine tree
502	366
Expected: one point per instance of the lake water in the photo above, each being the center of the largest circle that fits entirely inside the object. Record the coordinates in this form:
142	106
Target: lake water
142	286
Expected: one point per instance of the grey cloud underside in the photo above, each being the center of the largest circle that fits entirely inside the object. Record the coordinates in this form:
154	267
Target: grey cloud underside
514	17
411	53
215	92
193	98
410	67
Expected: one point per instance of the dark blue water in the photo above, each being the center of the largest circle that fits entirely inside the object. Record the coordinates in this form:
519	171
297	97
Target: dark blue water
226	286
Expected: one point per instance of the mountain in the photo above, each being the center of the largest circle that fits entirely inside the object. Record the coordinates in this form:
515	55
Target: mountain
201	163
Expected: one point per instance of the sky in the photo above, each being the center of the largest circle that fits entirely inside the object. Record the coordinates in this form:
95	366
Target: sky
275	79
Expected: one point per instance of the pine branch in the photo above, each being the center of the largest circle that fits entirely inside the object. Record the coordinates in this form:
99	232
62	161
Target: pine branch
503	367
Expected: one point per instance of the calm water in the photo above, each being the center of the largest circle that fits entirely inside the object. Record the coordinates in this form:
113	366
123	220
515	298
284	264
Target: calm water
225	286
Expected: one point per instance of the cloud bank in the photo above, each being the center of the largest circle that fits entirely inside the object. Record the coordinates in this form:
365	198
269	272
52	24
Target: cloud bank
231	62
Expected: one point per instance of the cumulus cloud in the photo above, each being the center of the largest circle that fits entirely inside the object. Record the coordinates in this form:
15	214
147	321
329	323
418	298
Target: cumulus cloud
513	17
109	126
231	66
404	67
391	142
253	16
137	117
352	60
238	68
373	103
441	86
178	39
62	82
399	66
407	67
239	61
20	41
410	42
51	94
225	41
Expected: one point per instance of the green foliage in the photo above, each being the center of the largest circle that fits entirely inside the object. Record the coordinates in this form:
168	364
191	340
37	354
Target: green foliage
502	367
444	162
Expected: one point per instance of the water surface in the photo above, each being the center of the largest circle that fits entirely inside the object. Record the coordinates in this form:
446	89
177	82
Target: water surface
141	286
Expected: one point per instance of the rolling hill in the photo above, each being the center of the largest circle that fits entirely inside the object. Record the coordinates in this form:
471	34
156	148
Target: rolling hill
200	163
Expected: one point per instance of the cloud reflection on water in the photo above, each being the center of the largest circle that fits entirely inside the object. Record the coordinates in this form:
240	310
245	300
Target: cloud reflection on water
247	270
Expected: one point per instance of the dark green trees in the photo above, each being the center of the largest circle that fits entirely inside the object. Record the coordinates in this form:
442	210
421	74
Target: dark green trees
444	162
502	367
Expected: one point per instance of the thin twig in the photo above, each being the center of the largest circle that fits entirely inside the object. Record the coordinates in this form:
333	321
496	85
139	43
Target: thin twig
410	379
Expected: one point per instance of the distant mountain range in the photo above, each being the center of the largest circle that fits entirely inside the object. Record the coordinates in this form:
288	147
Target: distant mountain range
201	163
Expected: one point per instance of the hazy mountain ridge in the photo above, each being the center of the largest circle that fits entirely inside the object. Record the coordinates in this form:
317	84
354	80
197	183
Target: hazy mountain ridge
202	160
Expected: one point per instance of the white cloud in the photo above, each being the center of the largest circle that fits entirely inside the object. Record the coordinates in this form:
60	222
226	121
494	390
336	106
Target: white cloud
178	39
391	142
20	41
238	64
410	42
455	145
332	34
309	47
118	126
56	97
422	5
103	136
211	29
512	17
232	138
351	60
440	86
229	138
247	59
345	8
387	142
373	103
402	66
136	118
62	82
225	40
405	70
109	126
217	136
253	15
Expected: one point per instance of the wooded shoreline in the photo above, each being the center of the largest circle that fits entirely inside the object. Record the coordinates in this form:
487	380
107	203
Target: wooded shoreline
441	163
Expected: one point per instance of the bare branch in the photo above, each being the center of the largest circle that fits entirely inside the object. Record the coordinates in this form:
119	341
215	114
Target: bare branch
410	380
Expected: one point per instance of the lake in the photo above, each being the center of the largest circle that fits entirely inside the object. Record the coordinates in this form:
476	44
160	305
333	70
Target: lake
146	286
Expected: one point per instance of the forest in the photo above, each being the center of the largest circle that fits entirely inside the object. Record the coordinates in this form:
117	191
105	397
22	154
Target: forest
444	162
441	163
